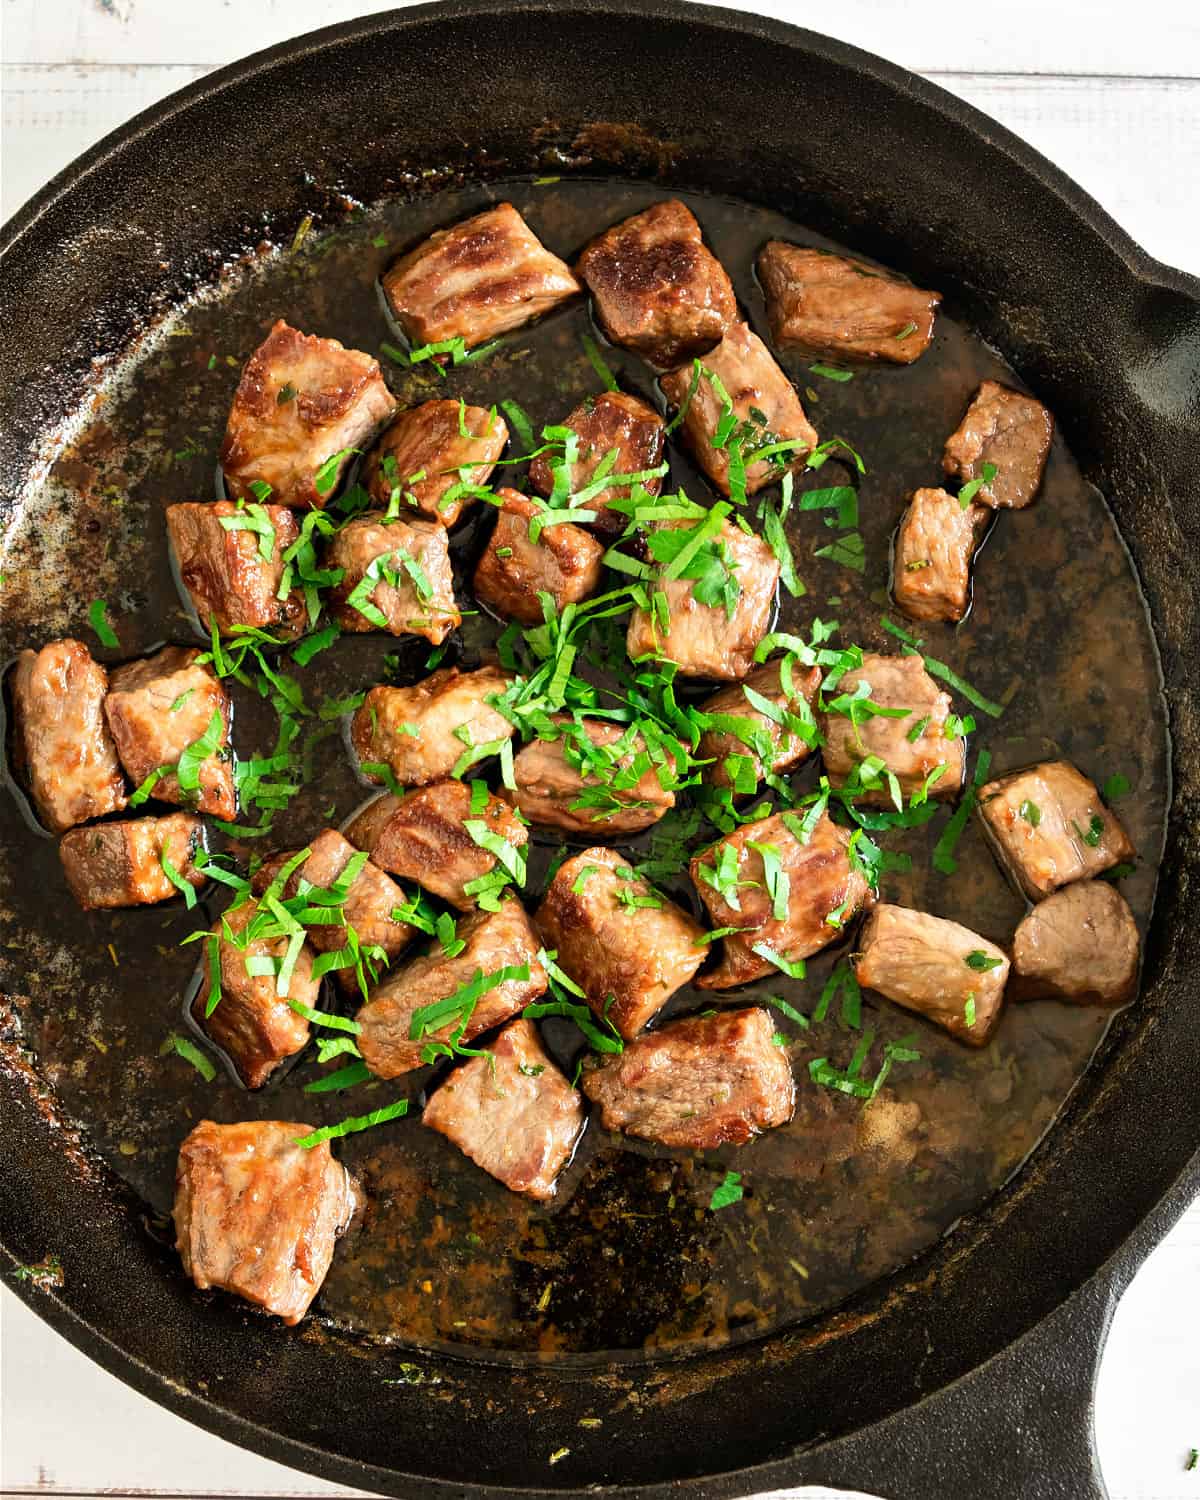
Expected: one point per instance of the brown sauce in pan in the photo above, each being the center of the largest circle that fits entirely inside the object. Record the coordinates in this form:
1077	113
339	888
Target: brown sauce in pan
628	1257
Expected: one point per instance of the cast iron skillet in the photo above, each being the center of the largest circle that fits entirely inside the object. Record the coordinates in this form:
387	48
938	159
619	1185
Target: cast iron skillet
970	1373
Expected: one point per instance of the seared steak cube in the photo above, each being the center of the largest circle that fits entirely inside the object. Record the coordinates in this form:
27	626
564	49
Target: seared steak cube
423	836
158	707
397	578
786	747
258	1215
627	956
424	455
931	572
302	402
1012	432
764	402
701	1082
368	903
656	287
393	1037
513	1113
828	304
911	745
946	973
597	779
412	730
1049	826
564	562
604	423
122	864
222	569
255	1026
481	278
705	640
808	905
62	748
1080	944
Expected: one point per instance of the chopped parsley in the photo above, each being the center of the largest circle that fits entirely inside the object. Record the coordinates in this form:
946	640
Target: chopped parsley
981	962
969	490
98	619
727	1192
355	1123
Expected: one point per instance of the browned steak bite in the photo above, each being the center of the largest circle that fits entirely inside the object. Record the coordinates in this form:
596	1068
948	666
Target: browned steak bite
596	779
303	405
368	904
785	746
827	304
224	572
1049	826
564	562
629	958
393	1037
701	1082
397	578
1081	944
63	749
805	907
764	402
911	745
258	1215
656	287
1009	430
423	455
604	423
705	640
513	1113
931	572
412	730
946	973
253	1024
158	707
475	281
424	836
122	864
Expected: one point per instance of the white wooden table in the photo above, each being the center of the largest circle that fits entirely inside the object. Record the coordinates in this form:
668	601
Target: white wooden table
1108	91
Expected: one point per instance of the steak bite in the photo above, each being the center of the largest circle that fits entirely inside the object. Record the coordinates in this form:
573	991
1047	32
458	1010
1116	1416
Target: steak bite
655	286
627	957
63	748
911	745
565	562
776	747
513	1113
706	640
1080	944
258	1215
226	577
1009	430
603	423
946	973
392	1036
705	1081
421	732
408	564
158	707
829	304
477	280
1048	827
817	889
424	836
931	568
597	778
124	864
424	455
764	402
253	1025
303	405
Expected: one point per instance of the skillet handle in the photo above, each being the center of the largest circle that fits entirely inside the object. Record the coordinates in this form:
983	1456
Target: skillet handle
1019	1426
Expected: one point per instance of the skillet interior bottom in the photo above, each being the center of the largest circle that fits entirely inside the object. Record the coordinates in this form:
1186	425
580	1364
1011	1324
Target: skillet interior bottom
629	1256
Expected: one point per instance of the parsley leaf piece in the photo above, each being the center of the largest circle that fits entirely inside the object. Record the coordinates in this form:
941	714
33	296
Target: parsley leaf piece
969	490
1031	812
190	1053
98	619
355	1123
849	550
728	1192
195	754
981	962
1115	787
185	887
831	373
596	360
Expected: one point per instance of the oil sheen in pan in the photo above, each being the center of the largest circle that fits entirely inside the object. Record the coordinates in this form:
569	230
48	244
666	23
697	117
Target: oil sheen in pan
629	1255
